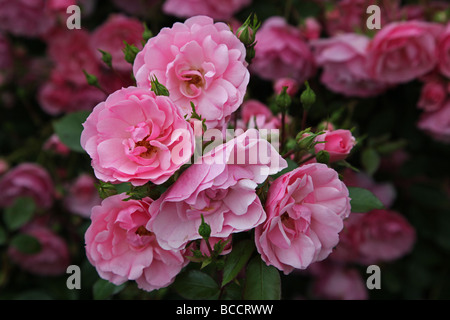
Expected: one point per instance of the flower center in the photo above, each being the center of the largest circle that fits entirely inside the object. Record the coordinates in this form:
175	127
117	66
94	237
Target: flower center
150	150
141	231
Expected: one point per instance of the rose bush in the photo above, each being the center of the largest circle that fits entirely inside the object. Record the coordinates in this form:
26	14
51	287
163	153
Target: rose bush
224	149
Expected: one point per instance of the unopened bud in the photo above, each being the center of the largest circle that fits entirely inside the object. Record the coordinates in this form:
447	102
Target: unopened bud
204	230
283	100
323	157
308	97
130	51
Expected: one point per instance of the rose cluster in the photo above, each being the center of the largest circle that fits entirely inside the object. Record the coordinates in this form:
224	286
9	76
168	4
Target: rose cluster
181	143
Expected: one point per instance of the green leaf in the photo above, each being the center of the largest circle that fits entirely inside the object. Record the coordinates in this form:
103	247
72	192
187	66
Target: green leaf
26	243
195	284
69	128
19	213
104	289
363	200
263	282
370	160
236	260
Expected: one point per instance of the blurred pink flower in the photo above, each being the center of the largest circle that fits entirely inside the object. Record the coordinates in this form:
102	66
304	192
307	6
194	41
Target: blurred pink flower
444	51
221	187
403	51
55	145
82	196
57	95
374	237
110	37
216	9
344	62
121	247
336	282
53	257
281	51
437	123
291	84
433	95
198	61
135	136
71	52
305	211
27	180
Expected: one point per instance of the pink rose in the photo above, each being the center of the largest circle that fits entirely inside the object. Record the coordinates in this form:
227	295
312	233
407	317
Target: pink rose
55	145
343	59
57	95
82	196
27	180
432	95
121	247
29	18
374	237
338	143
136	136
305	211
110	37
444	52
282	52
72	53
198	61
53	257
337	282
256	115
311	28
216	9
437	123
221	187
291	84
403	51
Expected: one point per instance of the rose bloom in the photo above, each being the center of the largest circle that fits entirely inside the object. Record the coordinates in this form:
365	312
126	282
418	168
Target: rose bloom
71	52
122	248
437	123
136	136
110	37
338	143
374	237
53	257
216	9
281	51
221	187
256	115
305	211
28	18
403	51
27	180
343	59
432	95
55	145
444	52
198	61
291	84
57	95
82	196
337	282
